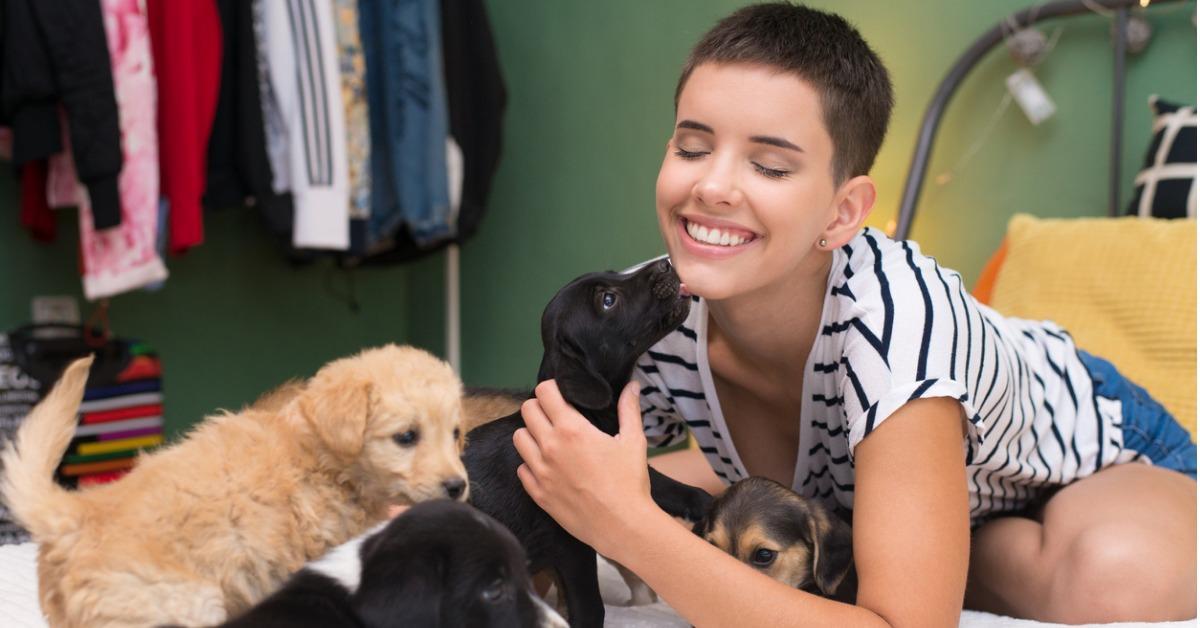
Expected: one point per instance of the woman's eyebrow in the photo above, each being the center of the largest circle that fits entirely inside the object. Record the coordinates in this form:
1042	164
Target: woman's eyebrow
757	139
692	124
775	141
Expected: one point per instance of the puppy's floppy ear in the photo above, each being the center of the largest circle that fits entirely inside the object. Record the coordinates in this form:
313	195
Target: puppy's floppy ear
337	413
407	593
581	384
832	549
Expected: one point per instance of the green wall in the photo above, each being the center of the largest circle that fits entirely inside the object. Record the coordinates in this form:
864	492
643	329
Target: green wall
590	88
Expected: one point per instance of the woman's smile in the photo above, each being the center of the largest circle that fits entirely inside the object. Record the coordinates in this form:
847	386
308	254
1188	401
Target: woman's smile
710	238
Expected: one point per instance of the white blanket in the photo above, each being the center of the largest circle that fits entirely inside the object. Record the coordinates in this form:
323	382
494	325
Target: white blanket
19	605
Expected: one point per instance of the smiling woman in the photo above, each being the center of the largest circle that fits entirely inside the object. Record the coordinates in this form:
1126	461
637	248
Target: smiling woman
857	371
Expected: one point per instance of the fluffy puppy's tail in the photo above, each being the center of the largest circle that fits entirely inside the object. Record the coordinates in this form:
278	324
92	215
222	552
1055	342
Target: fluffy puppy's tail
27	463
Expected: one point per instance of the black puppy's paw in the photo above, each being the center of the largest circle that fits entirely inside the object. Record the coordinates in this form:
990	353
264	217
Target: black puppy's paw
678	499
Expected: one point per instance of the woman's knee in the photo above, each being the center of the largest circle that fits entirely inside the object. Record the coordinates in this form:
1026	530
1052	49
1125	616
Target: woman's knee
1113	572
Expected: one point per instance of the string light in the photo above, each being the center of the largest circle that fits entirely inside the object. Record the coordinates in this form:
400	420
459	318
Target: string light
1030	57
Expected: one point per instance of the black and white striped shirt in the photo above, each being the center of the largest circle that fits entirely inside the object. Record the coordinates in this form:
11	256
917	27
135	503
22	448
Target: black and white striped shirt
895	327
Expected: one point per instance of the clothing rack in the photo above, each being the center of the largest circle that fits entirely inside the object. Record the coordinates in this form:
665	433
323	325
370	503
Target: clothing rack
984	44
453	324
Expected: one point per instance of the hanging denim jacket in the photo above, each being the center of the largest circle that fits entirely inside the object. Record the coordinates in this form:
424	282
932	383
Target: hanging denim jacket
406	95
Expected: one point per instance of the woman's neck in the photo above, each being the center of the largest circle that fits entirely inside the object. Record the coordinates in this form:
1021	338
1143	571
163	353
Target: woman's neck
772	326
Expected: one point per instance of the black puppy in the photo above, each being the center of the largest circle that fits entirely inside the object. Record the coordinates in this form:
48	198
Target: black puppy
593	331
441	563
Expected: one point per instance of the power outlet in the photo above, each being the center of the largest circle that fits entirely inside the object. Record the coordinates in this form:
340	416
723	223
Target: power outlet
56	309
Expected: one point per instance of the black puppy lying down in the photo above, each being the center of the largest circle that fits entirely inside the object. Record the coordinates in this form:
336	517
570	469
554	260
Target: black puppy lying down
441	563
797	541
593	331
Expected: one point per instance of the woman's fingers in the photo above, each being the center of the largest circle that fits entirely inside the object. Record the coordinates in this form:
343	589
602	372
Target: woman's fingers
536	421
528	449
629	415
531	484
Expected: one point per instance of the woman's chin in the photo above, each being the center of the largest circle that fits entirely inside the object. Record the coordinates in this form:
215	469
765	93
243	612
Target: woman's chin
704	283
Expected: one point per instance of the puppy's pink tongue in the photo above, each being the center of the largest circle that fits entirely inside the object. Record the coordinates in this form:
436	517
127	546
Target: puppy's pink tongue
683	291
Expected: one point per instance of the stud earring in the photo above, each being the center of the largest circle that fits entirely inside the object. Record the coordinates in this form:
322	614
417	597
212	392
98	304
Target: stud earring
822	243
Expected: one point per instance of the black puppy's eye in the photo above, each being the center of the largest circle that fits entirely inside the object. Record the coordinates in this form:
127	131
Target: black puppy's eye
608	300
763	557
407	439
494	591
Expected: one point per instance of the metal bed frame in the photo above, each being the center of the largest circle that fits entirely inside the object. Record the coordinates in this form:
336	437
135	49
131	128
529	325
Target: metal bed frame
983	45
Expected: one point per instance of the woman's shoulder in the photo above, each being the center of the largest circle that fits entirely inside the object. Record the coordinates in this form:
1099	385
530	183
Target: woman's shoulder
890	286
872	247
874	262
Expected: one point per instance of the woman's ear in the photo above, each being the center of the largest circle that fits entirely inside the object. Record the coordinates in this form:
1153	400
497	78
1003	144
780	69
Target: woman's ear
852	205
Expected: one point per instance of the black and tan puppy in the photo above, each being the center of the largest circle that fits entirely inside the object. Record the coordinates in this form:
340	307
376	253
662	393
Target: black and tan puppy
797	541
441	563
593	331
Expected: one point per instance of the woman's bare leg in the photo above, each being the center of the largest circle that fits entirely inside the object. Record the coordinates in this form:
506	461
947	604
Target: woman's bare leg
1116	546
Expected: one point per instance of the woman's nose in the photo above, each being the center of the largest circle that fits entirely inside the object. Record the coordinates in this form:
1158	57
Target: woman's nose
718	187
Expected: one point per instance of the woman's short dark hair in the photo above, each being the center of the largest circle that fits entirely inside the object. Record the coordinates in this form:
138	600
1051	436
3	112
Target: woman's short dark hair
823	50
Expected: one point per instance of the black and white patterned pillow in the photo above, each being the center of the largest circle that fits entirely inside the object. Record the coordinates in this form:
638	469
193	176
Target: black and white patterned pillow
1166	186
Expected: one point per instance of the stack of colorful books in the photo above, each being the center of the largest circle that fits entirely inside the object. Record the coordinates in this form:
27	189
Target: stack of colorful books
117	419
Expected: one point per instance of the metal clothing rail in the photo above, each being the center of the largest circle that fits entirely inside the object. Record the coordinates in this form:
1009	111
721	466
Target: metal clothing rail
984	44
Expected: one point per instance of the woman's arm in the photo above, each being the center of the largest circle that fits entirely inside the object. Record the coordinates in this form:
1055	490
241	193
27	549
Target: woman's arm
912	521
911	529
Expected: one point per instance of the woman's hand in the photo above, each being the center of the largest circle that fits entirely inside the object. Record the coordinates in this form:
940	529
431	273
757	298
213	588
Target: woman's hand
593	484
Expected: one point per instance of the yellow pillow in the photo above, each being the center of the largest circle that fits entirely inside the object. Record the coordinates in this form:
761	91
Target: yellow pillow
1124	287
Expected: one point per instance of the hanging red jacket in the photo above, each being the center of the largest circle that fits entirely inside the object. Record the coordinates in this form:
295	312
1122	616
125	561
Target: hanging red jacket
186	39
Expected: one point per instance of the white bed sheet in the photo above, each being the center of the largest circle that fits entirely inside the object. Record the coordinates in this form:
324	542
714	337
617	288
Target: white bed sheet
19	606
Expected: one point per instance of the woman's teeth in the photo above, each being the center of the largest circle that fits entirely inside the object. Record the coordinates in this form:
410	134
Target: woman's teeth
715	236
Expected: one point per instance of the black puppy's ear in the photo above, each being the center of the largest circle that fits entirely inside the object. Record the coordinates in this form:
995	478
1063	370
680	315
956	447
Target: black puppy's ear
832	549
411	596
579	382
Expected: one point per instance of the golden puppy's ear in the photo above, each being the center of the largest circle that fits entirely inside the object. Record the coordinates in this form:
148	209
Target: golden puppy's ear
832	551
338	414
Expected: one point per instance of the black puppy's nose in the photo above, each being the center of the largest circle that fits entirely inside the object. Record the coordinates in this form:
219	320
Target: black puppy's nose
454	487
662	266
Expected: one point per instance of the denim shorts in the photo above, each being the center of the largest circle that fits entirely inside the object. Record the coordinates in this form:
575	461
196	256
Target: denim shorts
1147	426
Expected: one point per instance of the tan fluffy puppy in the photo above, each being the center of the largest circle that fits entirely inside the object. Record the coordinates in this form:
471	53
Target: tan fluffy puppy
480	405
275	399
210	525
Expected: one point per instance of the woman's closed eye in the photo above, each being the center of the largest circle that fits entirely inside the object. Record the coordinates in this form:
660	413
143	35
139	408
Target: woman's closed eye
689	154
771	173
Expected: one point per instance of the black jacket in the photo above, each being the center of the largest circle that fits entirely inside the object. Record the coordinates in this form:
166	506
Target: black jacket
56	52
238	166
